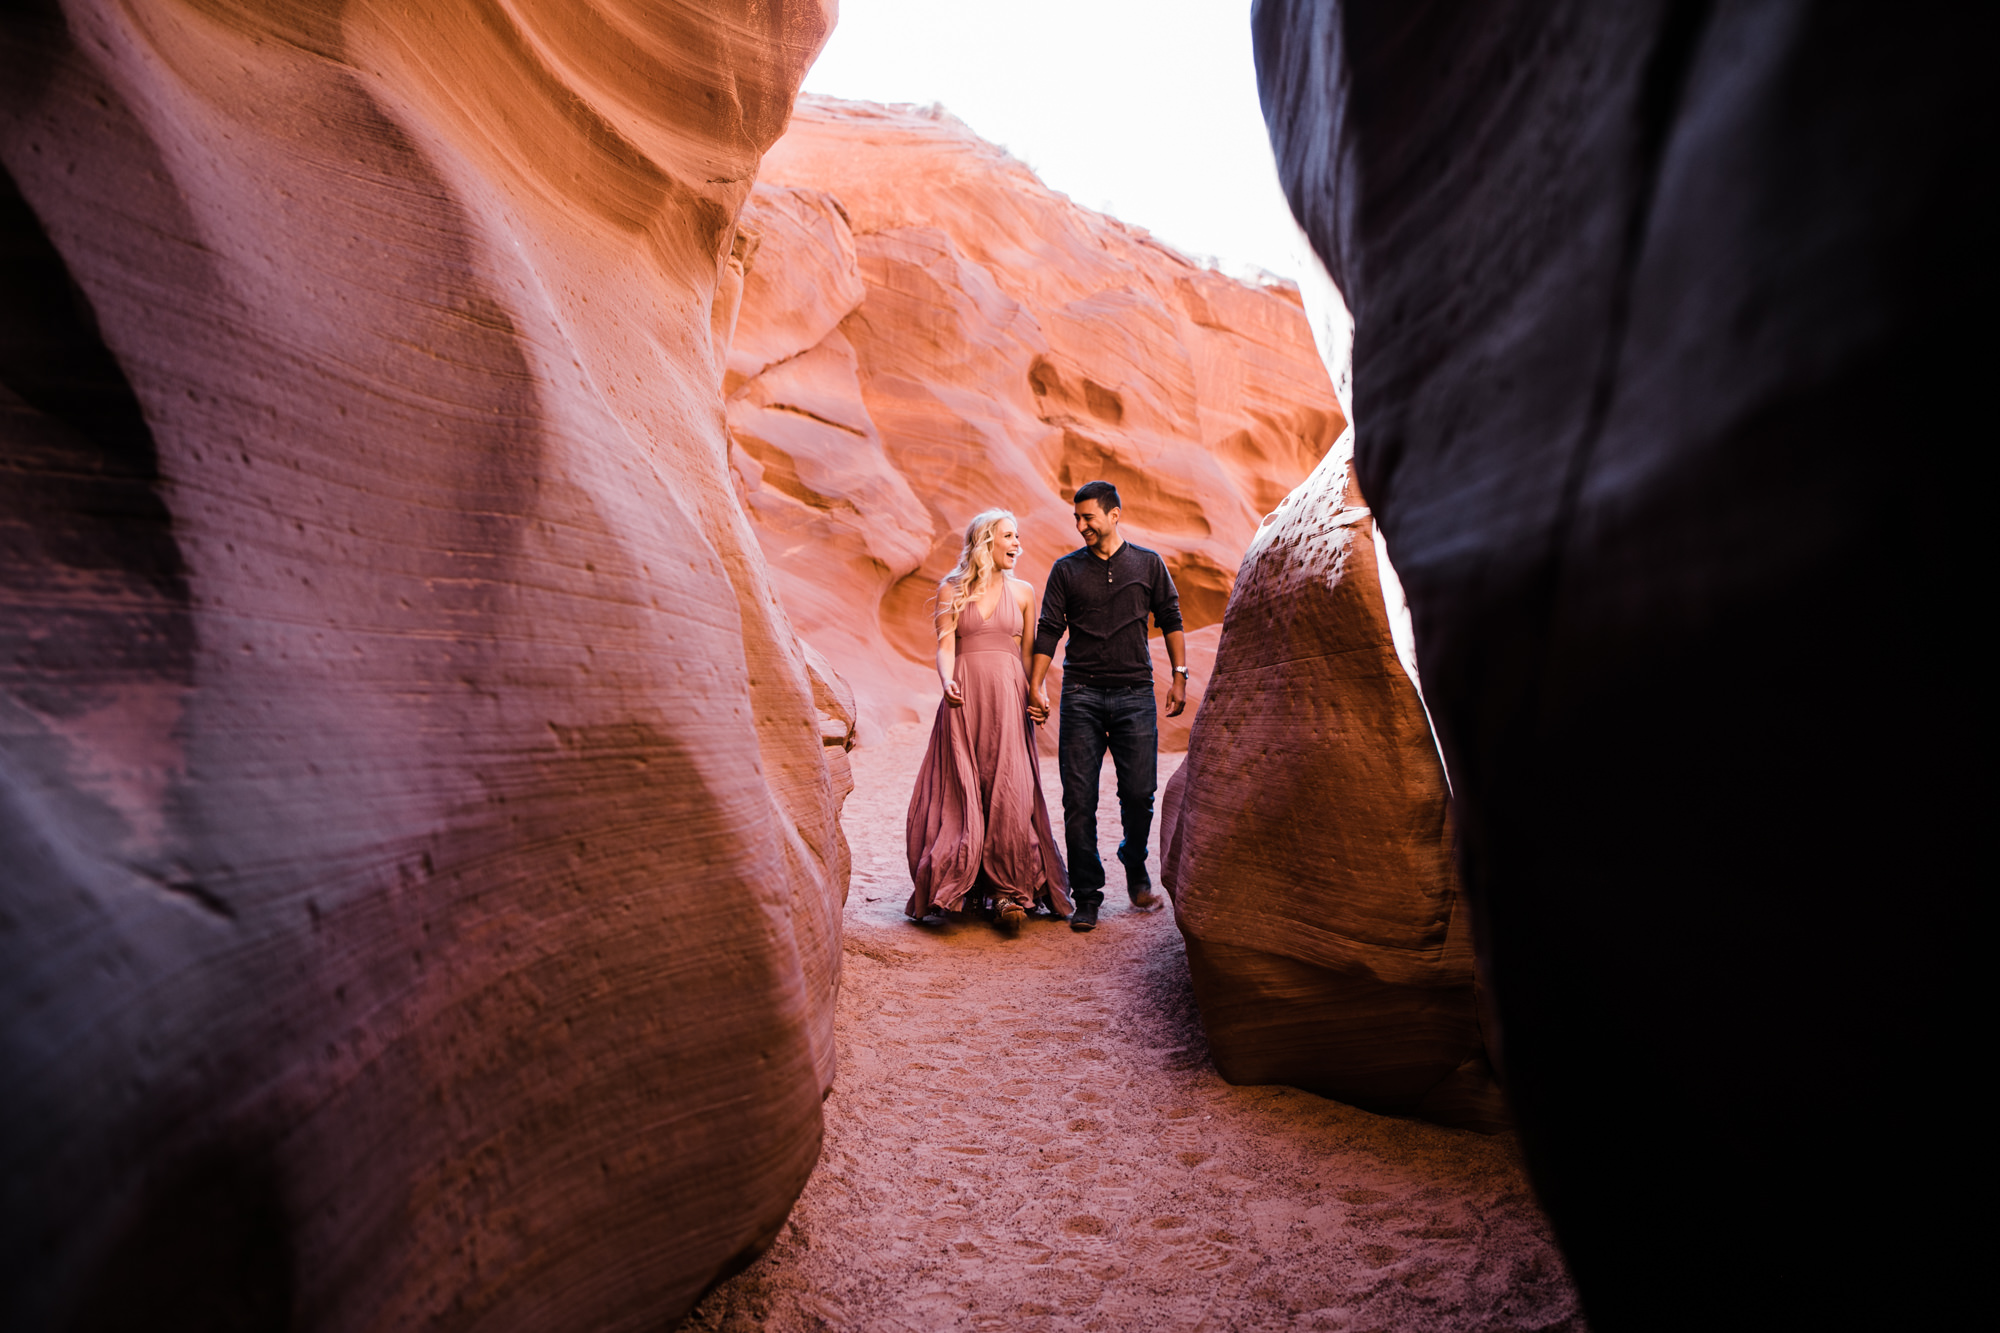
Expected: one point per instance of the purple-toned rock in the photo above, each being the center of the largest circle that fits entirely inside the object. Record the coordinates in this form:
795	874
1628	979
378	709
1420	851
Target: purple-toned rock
1665	356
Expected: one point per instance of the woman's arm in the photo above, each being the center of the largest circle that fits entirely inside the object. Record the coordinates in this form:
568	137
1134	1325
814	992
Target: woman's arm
947	645
1037	708
1023	593
1049	629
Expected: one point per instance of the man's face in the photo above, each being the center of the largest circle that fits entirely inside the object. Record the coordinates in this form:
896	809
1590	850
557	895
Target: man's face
1094	524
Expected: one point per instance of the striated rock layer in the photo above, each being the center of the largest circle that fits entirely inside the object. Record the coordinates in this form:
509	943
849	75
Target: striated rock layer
928	331
422	874
1657	307
1306	840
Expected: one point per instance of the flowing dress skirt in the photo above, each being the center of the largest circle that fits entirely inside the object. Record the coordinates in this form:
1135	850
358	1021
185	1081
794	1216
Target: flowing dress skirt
978	803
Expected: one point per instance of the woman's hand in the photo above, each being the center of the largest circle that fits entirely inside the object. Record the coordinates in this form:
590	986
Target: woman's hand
947	650
1038	706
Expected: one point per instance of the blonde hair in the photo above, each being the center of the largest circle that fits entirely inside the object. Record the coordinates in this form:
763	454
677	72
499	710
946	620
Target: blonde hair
976	570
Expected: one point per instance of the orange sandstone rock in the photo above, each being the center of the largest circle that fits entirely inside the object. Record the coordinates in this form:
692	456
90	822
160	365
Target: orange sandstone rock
423	859
1306	839
1003	347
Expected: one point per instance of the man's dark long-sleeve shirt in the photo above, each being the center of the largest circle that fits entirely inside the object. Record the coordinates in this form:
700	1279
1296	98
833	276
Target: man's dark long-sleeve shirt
1103	604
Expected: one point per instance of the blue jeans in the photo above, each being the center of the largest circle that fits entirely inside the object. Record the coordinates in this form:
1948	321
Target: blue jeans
1122	719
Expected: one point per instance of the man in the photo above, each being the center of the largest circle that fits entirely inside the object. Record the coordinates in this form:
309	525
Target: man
1101	595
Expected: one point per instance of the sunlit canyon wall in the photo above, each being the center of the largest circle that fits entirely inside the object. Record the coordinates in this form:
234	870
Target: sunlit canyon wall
1662	310
421	871
927	331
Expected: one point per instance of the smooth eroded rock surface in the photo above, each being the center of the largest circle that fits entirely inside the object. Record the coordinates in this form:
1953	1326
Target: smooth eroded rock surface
1664	353
1307	843
928	331
422	862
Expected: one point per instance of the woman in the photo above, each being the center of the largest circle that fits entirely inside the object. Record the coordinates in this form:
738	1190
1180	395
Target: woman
978	825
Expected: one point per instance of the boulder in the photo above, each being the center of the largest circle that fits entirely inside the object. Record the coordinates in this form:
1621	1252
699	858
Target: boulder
1657	308
927	331
423	859
1306	840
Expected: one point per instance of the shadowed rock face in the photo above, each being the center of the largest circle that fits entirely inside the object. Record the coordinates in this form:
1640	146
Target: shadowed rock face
422	873
1306	841
1655	306
928	331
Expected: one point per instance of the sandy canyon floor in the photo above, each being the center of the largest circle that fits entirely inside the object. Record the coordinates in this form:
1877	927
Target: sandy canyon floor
1028	1134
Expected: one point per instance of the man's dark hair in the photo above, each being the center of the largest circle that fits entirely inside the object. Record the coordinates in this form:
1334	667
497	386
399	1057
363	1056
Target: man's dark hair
1103	492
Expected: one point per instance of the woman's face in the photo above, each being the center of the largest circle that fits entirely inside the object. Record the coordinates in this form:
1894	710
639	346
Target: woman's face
1006	543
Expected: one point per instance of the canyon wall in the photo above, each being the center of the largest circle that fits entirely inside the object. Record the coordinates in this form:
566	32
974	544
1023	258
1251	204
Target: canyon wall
422	858
928	331
1307	844
1658	307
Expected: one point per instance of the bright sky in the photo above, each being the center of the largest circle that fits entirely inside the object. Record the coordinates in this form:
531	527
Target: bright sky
1144	109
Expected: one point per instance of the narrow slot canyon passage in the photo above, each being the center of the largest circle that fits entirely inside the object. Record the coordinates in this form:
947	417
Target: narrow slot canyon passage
1028	1134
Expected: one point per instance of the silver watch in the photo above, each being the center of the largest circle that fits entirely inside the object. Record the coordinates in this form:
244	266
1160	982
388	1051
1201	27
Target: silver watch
1180	671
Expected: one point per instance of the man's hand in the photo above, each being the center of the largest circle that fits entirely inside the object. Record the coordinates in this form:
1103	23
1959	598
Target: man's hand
1177	684
1038	705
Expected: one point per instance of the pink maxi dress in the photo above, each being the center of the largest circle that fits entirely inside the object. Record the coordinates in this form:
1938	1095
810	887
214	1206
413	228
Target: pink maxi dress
978	801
